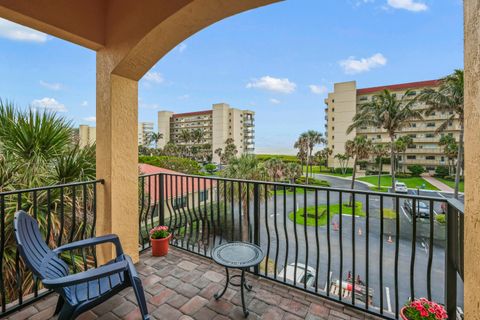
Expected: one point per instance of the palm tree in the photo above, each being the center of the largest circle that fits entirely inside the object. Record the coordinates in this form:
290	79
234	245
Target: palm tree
450	149
380	151
302	145
185	136
293	171
388	112
308	141
153	137
343	159
401	145
449	99
245	167
359	148
197	136
38	149
275	168
322	156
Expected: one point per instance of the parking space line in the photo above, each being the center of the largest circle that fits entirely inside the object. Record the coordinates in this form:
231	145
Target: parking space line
405	214
389	304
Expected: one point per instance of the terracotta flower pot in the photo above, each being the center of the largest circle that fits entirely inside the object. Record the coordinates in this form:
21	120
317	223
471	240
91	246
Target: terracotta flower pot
402	314
160	246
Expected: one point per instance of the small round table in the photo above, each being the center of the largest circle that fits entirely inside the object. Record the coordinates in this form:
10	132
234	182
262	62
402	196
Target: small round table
237	255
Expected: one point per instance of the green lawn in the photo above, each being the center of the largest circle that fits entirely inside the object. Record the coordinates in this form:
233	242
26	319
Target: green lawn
451	184
386	181
388	213
317	169
322	215
290	191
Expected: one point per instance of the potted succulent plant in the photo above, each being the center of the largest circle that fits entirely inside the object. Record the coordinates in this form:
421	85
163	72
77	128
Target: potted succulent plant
159	237
423	309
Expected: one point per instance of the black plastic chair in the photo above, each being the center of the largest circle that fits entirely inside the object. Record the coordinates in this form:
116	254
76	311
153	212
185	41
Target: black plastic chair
82	291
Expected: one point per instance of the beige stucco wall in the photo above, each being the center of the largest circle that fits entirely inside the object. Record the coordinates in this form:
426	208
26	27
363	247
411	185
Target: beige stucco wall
220	127
472	159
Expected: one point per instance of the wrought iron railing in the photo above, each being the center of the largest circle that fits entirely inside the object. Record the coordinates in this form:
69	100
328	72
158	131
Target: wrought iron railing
65	213
369	250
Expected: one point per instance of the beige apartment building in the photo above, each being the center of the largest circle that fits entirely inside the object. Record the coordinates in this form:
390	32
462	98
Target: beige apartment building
144	131
86	135
342	105
218	125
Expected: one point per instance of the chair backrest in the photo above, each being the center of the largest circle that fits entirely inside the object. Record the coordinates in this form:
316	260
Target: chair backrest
40	259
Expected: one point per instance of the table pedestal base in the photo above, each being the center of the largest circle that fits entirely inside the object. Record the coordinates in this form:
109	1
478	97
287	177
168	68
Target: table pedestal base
243	285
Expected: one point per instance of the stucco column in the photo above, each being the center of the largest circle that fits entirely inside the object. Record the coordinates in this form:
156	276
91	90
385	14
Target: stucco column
117	157
472	159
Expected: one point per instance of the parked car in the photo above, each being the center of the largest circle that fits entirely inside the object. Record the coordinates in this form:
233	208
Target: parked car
401	187
305	274
422	210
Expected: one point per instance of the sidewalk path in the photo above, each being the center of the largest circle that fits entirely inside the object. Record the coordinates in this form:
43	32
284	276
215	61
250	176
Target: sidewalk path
440	185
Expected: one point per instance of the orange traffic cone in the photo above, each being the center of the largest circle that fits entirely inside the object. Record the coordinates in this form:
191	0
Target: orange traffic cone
389	240
360	231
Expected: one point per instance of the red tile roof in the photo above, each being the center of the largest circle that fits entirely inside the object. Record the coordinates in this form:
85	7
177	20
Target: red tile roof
189	114
401	86
175	183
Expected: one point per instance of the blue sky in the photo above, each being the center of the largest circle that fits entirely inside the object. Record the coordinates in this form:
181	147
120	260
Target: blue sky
279	61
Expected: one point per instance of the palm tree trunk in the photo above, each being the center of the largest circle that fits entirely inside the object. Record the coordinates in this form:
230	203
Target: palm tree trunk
392	161
308	164
459	162
353	180
380	172
403	161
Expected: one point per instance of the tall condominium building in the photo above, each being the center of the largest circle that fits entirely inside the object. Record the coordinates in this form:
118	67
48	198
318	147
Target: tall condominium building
86	135
218	125
343	102
144	131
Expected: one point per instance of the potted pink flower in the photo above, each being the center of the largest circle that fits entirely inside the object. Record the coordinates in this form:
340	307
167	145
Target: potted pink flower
423	309
159	237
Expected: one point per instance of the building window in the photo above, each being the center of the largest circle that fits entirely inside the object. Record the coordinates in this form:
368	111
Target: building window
364	98
430	157
333	119
431	124
442	159
413	125
411	93
429	135
204	195
411	157
412	135
379	136
179	202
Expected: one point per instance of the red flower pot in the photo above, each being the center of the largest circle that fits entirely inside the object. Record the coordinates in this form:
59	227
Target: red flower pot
160	246
402	314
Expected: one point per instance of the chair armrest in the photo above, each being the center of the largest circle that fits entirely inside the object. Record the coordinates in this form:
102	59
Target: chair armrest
86	276
113	238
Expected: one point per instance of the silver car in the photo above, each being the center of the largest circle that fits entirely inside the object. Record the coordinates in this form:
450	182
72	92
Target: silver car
401	187
305	274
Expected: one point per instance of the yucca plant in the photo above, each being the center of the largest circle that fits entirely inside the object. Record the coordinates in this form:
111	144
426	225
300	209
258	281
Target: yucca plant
36	150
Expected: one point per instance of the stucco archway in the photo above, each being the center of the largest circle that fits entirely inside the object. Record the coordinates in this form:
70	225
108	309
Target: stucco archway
129	38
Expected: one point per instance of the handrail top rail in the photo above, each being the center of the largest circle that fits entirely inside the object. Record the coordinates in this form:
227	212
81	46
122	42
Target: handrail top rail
54	186
457	205
283	184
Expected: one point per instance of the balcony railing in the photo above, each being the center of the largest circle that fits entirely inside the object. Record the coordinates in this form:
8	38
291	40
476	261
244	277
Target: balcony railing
369	250
65	213
362	248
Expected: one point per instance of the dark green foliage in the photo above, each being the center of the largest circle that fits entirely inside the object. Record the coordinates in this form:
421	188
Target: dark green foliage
182	165
416	169
313	182
339	170
284	158
441	171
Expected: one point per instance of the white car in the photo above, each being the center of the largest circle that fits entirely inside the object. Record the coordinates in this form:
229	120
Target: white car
400	187
305	274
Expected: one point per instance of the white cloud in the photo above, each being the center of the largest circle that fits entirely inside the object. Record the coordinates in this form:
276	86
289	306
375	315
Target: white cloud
353	66
318	89
410	5
275	101
49	104
52	86
273	84
182	47
153	76
90	119
13	31
84	103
